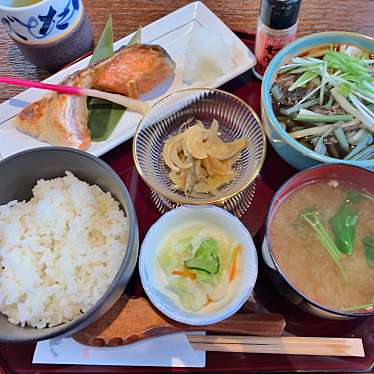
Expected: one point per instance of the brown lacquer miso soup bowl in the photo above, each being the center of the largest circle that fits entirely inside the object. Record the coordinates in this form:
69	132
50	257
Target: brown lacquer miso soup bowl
319	241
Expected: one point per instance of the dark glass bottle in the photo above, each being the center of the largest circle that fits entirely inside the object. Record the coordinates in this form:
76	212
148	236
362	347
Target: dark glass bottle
277	25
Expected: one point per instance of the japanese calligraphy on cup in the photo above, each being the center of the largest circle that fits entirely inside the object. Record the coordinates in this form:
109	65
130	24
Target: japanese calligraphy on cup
42	22
50	33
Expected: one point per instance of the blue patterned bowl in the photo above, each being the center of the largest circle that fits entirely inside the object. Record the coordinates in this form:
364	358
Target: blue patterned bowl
288	148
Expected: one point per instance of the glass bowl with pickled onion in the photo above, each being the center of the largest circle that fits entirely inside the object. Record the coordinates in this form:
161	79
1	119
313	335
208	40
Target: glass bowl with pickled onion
199	146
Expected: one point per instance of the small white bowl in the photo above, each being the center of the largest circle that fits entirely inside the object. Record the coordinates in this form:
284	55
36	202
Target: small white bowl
152	276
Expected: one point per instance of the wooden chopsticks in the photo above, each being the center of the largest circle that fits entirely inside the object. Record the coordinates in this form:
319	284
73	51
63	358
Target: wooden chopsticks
290	345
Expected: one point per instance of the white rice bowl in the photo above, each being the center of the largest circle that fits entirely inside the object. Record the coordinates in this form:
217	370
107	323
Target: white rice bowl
59	252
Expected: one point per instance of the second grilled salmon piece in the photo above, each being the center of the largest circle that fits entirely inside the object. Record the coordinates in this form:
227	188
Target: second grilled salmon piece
133	70
59	119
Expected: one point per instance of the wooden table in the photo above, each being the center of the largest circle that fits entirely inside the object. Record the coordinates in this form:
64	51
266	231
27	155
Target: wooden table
239	14
128	15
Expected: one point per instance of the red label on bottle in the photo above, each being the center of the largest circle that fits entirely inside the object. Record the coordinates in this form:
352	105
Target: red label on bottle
267	47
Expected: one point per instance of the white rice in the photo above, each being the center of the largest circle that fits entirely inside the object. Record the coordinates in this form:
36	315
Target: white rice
59	252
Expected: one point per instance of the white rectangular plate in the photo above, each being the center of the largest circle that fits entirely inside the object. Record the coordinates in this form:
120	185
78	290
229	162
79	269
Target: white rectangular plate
171	32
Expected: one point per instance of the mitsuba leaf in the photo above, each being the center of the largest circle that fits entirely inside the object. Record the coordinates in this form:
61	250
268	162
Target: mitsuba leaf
343	225
354	196
368	243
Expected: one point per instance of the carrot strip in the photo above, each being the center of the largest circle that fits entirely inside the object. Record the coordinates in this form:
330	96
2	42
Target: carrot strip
209	300
185	273
233	267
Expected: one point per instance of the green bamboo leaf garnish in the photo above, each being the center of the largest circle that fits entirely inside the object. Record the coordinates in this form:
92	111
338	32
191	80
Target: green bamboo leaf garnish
103	115
104	48
137	38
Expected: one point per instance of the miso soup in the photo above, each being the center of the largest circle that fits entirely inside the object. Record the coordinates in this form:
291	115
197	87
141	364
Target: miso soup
322	237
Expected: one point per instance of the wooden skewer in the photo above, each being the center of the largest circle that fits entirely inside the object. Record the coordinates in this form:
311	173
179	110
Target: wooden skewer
132	104
282	345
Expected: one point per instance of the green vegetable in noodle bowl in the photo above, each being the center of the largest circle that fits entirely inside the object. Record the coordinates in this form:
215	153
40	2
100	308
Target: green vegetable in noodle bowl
325	99
328	253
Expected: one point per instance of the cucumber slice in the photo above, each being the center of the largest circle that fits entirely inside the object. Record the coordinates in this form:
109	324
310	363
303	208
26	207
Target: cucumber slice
206	258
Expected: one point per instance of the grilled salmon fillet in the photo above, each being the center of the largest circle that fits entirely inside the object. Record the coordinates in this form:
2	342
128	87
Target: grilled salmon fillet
133	70
61	119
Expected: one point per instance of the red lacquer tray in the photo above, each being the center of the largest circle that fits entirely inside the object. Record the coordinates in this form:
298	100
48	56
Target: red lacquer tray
17	358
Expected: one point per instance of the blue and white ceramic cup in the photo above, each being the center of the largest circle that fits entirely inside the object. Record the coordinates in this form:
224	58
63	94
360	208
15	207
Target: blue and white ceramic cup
50	33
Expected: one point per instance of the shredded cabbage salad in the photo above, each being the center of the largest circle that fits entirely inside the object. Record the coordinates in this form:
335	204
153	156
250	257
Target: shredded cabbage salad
199	264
